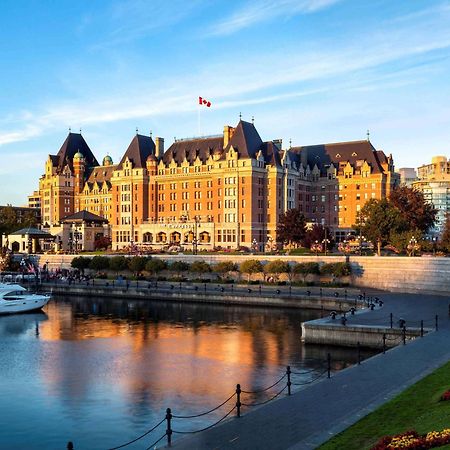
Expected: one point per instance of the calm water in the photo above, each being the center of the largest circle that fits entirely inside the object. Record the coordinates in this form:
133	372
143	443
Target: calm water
100	372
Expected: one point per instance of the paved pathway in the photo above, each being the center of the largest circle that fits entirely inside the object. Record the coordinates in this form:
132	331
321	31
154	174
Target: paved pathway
312	415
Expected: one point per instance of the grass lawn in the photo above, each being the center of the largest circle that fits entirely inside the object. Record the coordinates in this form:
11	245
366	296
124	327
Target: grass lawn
416	408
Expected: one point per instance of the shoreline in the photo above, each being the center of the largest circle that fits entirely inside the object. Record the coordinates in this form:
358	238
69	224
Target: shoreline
281	297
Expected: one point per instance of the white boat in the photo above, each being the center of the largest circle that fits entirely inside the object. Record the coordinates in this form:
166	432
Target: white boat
14	298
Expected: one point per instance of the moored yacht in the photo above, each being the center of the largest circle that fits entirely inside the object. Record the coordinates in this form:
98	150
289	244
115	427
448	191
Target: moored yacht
16	299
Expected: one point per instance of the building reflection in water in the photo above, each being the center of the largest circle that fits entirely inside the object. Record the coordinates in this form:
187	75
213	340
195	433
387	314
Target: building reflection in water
120	363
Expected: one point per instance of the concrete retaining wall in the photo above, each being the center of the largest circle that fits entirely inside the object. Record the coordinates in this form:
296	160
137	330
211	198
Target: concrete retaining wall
318	332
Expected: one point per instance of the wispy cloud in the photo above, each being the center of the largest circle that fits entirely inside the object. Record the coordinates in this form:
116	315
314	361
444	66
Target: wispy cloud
292	74
263	10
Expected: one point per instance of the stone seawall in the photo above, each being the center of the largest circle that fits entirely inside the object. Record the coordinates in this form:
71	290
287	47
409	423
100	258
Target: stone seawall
425	274
239	298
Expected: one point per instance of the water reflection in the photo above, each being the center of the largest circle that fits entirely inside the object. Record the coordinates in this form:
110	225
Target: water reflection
118	364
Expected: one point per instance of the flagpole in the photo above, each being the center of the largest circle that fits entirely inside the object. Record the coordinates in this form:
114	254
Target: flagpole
198	119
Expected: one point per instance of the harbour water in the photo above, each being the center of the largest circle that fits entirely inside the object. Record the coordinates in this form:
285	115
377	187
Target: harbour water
101	372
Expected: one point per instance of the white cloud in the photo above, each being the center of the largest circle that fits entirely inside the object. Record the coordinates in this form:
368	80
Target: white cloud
263	10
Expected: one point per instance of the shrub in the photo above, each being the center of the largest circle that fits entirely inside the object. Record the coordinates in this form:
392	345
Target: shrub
251	266
200	267
305	269
99	263
225	267
137	264
81	263
155	265
339	269
179	266
277	267
118	263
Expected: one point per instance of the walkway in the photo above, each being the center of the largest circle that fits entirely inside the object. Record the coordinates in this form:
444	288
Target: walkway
311	416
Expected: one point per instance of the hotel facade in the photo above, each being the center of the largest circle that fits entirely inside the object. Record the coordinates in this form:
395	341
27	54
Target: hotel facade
223	191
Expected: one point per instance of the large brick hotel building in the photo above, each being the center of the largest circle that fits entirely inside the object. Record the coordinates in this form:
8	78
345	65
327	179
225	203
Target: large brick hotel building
227	190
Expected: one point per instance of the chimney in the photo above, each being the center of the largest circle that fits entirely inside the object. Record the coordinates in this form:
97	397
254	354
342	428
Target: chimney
159	144
278	143
227	134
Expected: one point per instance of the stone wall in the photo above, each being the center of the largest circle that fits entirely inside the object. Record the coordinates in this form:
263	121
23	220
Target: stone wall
402	274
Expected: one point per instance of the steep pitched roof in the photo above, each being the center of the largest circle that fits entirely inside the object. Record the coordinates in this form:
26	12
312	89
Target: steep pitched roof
140	148
33	232
325	154
246	140
74	143
84	216
101	173
191	148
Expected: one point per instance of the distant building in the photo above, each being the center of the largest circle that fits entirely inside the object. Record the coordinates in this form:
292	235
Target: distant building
407	176
227	190
34	200
434	182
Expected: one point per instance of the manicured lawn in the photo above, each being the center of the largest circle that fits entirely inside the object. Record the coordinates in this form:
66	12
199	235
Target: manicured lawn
416	408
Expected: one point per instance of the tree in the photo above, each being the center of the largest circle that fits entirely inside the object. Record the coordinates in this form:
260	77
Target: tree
378	219
251	266
99	263
102	243
277	267
200	267
179	267
417	213
81	263
118	263
137	264
291	227
445	238
225	267
305	269
155	265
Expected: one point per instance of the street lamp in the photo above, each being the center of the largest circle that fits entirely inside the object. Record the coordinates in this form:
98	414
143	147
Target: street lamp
30	244
70	242
325	242
412	246
254	245
316	248
22	266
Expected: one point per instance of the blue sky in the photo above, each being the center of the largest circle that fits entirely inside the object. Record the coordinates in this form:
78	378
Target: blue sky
313	71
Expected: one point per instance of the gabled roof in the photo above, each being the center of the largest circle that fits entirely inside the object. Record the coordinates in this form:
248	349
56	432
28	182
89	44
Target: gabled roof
140	148
74	143
101	173
193	148
84	216
341	152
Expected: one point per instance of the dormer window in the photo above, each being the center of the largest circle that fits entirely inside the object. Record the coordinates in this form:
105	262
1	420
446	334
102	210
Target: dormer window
354	154
338	155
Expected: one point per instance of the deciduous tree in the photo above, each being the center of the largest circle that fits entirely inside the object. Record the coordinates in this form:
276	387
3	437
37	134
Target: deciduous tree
291	227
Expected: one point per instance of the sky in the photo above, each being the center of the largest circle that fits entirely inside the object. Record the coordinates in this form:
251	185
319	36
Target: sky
310	71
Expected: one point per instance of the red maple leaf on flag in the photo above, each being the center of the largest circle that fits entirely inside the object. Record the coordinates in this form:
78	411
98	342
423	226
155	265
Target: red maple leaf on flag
202	101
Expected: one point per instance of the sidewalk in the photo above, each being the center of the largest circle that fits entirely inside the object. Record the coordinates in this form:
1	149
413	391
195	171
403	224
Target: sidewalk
311	416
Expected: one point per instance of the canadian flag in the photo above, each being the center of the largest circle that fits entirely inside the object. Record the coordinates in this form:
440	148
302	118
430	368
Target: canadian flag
202	101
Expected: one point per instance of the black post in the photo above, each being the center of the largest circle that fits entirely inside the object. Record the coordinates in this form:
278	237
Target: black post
345	294
288	372
290	290
329	365
436	322
113	283
392	320
238	400
259	288
421	328
137	284
384	343
321	312
70	446
321	293
404	335
169	428
180	286
205	287
359	353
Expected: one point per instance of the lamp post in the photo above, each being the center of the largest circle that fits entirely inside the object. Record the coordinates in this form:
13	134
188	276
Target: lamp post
434	239
22	267
70	242
30	244
316	248
412	245
46	269
254	245
195	239
325	243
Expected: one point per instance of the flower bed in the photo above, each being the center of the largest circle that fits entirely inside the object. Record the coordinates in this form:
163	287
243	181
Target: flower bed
445	396
411	440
